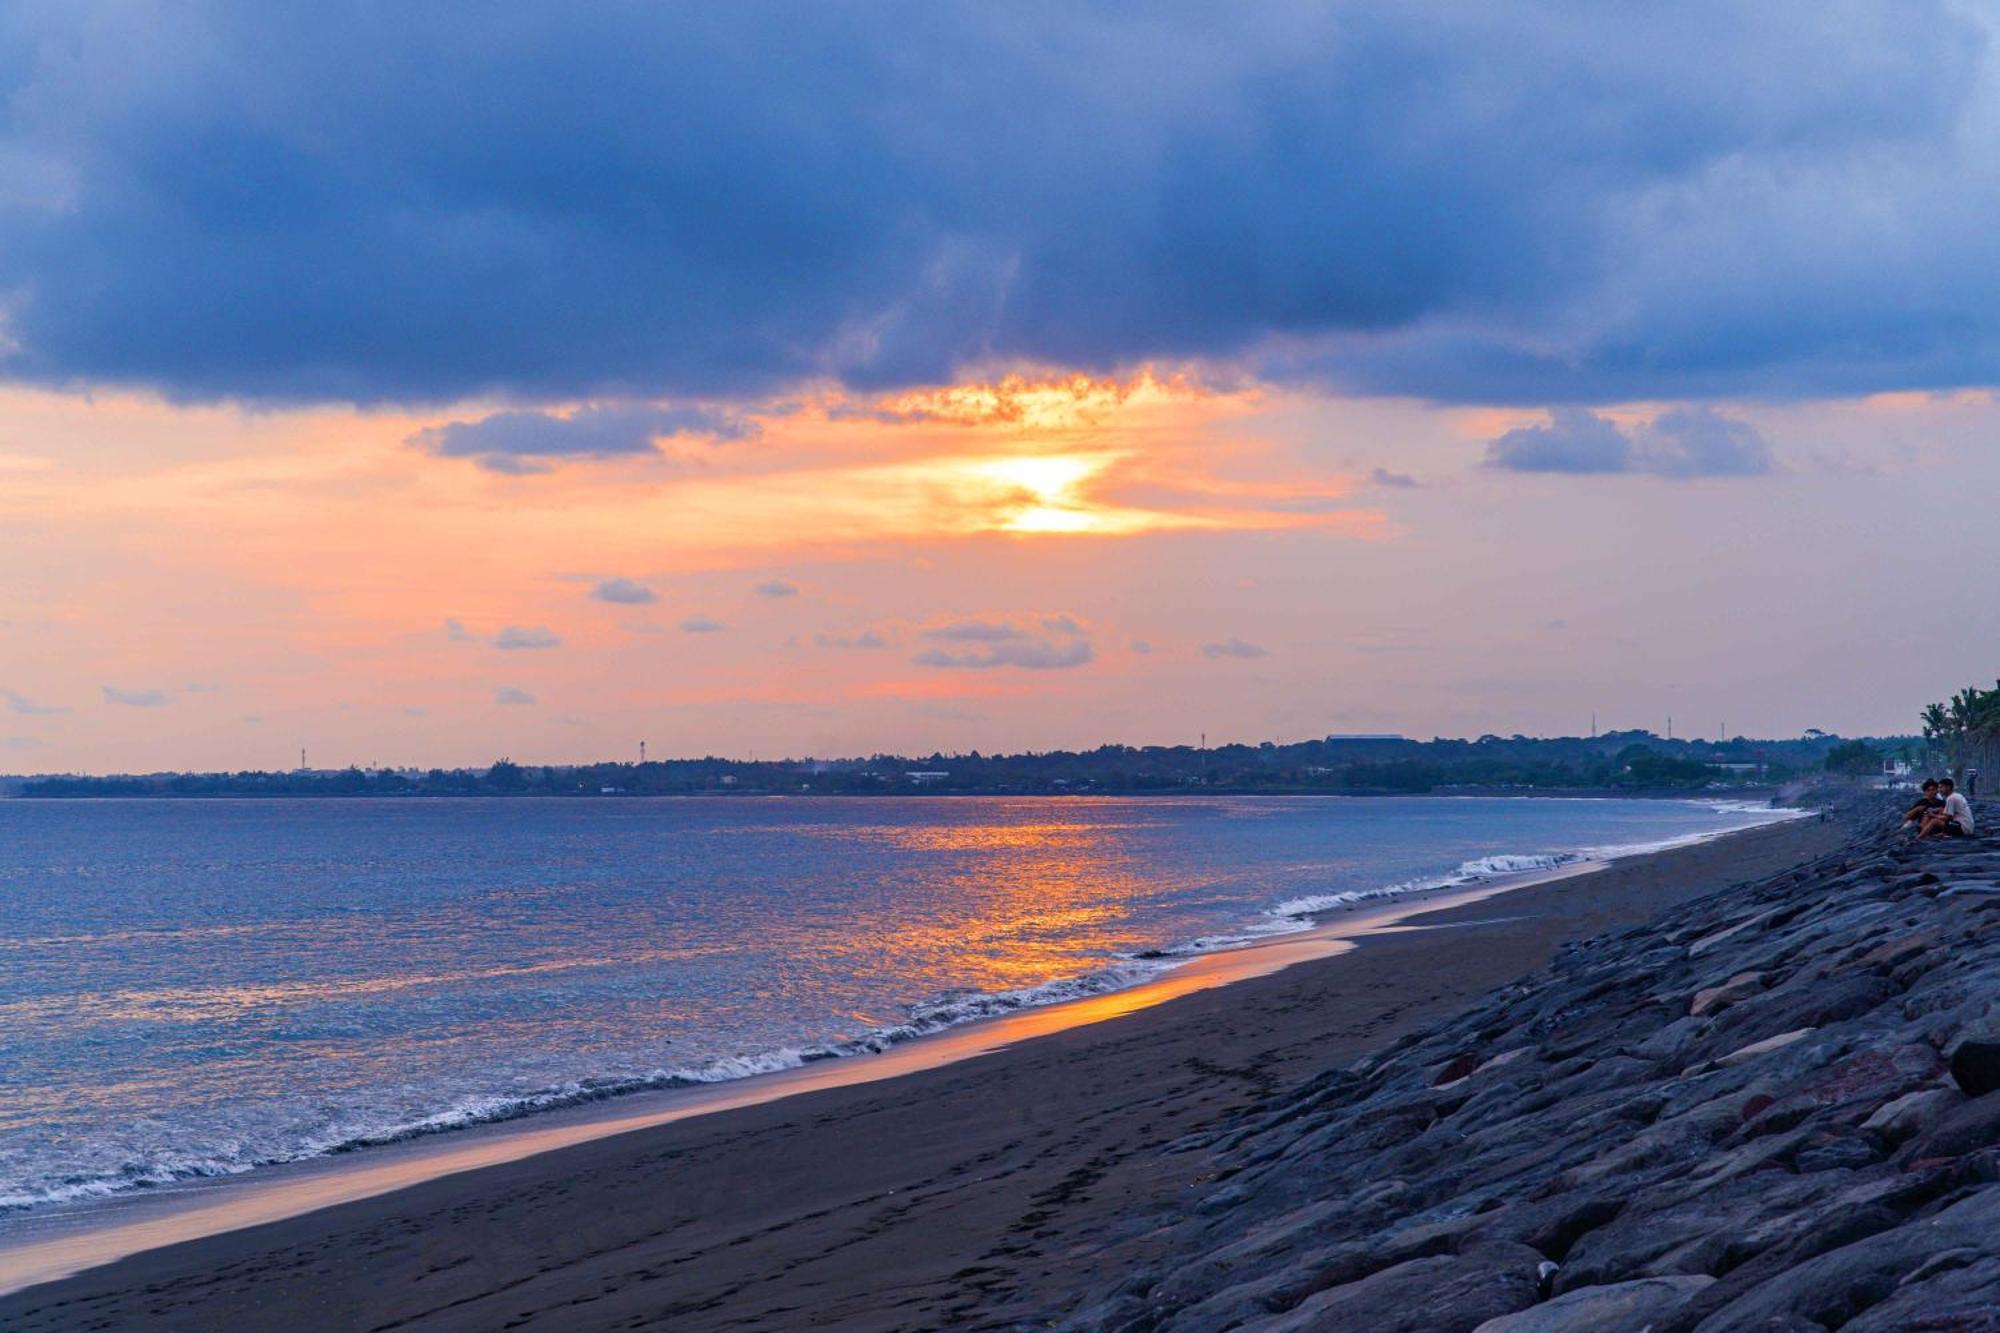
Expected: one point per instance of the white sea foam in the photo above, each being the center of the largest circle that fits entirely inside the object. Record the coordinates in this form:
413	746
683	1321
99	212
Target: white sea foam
921	1020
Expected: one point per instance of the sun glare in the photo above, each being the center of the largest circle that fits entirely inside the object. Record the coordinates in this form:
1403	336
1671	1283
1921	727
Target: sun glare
1045	493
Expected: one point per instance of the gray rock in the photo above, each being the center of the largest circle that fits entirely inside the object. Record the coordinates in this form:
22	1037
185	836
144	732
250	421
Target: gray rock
1714	999
1796	1158
1757	1049
1617	1305
1835	1288
1447	1294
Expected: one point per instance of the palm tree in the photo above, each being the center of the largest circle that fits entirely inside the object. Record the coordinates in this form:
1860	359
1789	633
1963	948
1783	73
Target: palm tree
1965	727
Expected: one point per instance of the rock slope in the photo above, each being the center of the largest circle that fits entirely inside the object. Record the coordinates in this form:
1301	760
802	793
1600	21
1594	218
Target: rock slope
1776	1108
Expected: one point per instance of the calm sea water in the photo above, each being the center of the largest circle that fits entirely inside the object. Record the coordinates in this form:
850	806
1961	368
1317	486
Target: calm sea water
195	988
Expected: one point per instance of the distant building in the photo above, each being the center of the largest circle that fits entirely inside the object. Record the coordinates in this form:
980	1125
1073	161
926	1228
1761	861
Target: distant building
926	776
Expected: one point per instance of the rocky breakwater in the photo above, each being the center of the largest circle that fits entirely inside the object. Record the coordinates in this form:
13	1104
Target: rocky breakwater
1775	1108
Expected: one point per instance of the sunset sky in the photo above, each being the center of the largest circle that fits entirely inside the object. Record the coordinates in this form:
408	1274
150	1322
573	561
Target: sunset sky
422	384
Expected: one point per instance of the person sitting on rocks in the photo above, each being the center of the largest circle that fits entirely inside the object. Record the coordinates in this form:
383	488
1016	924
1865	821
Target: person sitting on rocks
1928	803
1953	820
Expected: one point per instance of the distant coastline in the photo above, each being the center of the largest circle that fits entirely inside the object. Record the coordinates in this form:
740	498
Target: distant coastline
1625	763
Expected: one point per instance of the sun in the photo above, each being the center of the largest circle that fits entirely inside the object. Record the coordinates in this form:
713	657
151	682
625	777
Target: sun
1045	492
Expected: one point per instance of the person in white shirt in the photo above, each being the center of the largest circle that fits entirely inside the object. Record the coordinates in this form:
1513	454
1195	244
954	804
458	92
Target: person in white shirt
1953	820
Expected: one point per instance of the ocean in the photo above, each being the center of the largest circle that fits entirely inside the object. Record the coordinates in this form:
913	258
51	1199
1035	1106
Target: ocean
196	988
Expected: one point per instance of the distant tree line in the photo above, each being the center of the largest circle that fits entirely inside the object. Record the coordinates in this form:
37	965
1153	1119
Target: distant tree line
1618	761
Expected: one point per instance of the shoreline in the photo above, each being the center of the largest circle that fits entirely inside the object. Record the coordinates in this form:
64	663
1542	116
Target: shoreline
1306	918
131	1229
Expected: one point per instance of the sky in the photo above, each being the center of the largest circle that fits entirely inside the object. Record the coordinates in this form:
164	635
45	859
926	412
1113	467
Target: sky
424	385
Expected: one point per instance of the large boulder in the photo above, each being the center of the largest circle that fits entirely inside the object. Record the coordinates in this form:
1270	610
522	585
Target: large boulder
1445	1294
1616	1305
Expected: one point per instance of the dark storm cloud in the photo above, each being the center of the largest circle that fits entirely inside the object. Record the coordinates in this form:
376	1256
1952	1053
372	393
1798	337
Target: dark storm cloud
526	442
1538	202
1685	442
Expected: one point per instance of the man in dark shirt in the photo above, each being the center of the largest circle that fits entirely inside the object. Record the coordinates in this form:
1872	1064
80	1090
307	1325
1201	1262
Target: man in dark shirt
1928	804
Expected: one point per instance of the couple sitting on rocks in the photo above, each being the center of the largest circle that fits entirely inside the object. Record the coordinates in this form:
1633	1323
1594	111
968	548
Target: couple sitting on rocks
1940	812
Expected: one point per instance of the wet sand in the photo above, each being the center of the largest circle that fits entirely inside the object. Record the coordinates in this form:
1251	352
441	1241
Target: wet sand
980	1193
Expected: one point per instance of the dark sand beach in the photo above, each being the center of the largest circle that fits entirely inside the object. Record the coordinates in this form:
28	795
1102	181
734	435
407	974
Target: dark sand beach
987	1193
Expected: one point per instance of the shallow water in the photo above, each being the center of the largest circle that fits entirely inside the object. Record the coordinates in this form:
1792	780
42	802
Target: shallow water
193	988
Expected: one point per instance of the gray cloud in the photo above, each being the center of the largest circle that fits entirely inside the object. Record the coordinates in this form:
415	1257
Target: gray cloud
1684	442
702	625
135	698
458	633
516	637
777	588
624	592
1233	647
522	443
867	639
1034	654
20	703
1539	202
508	696
1141	646
976	631
1058	643
1395	480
